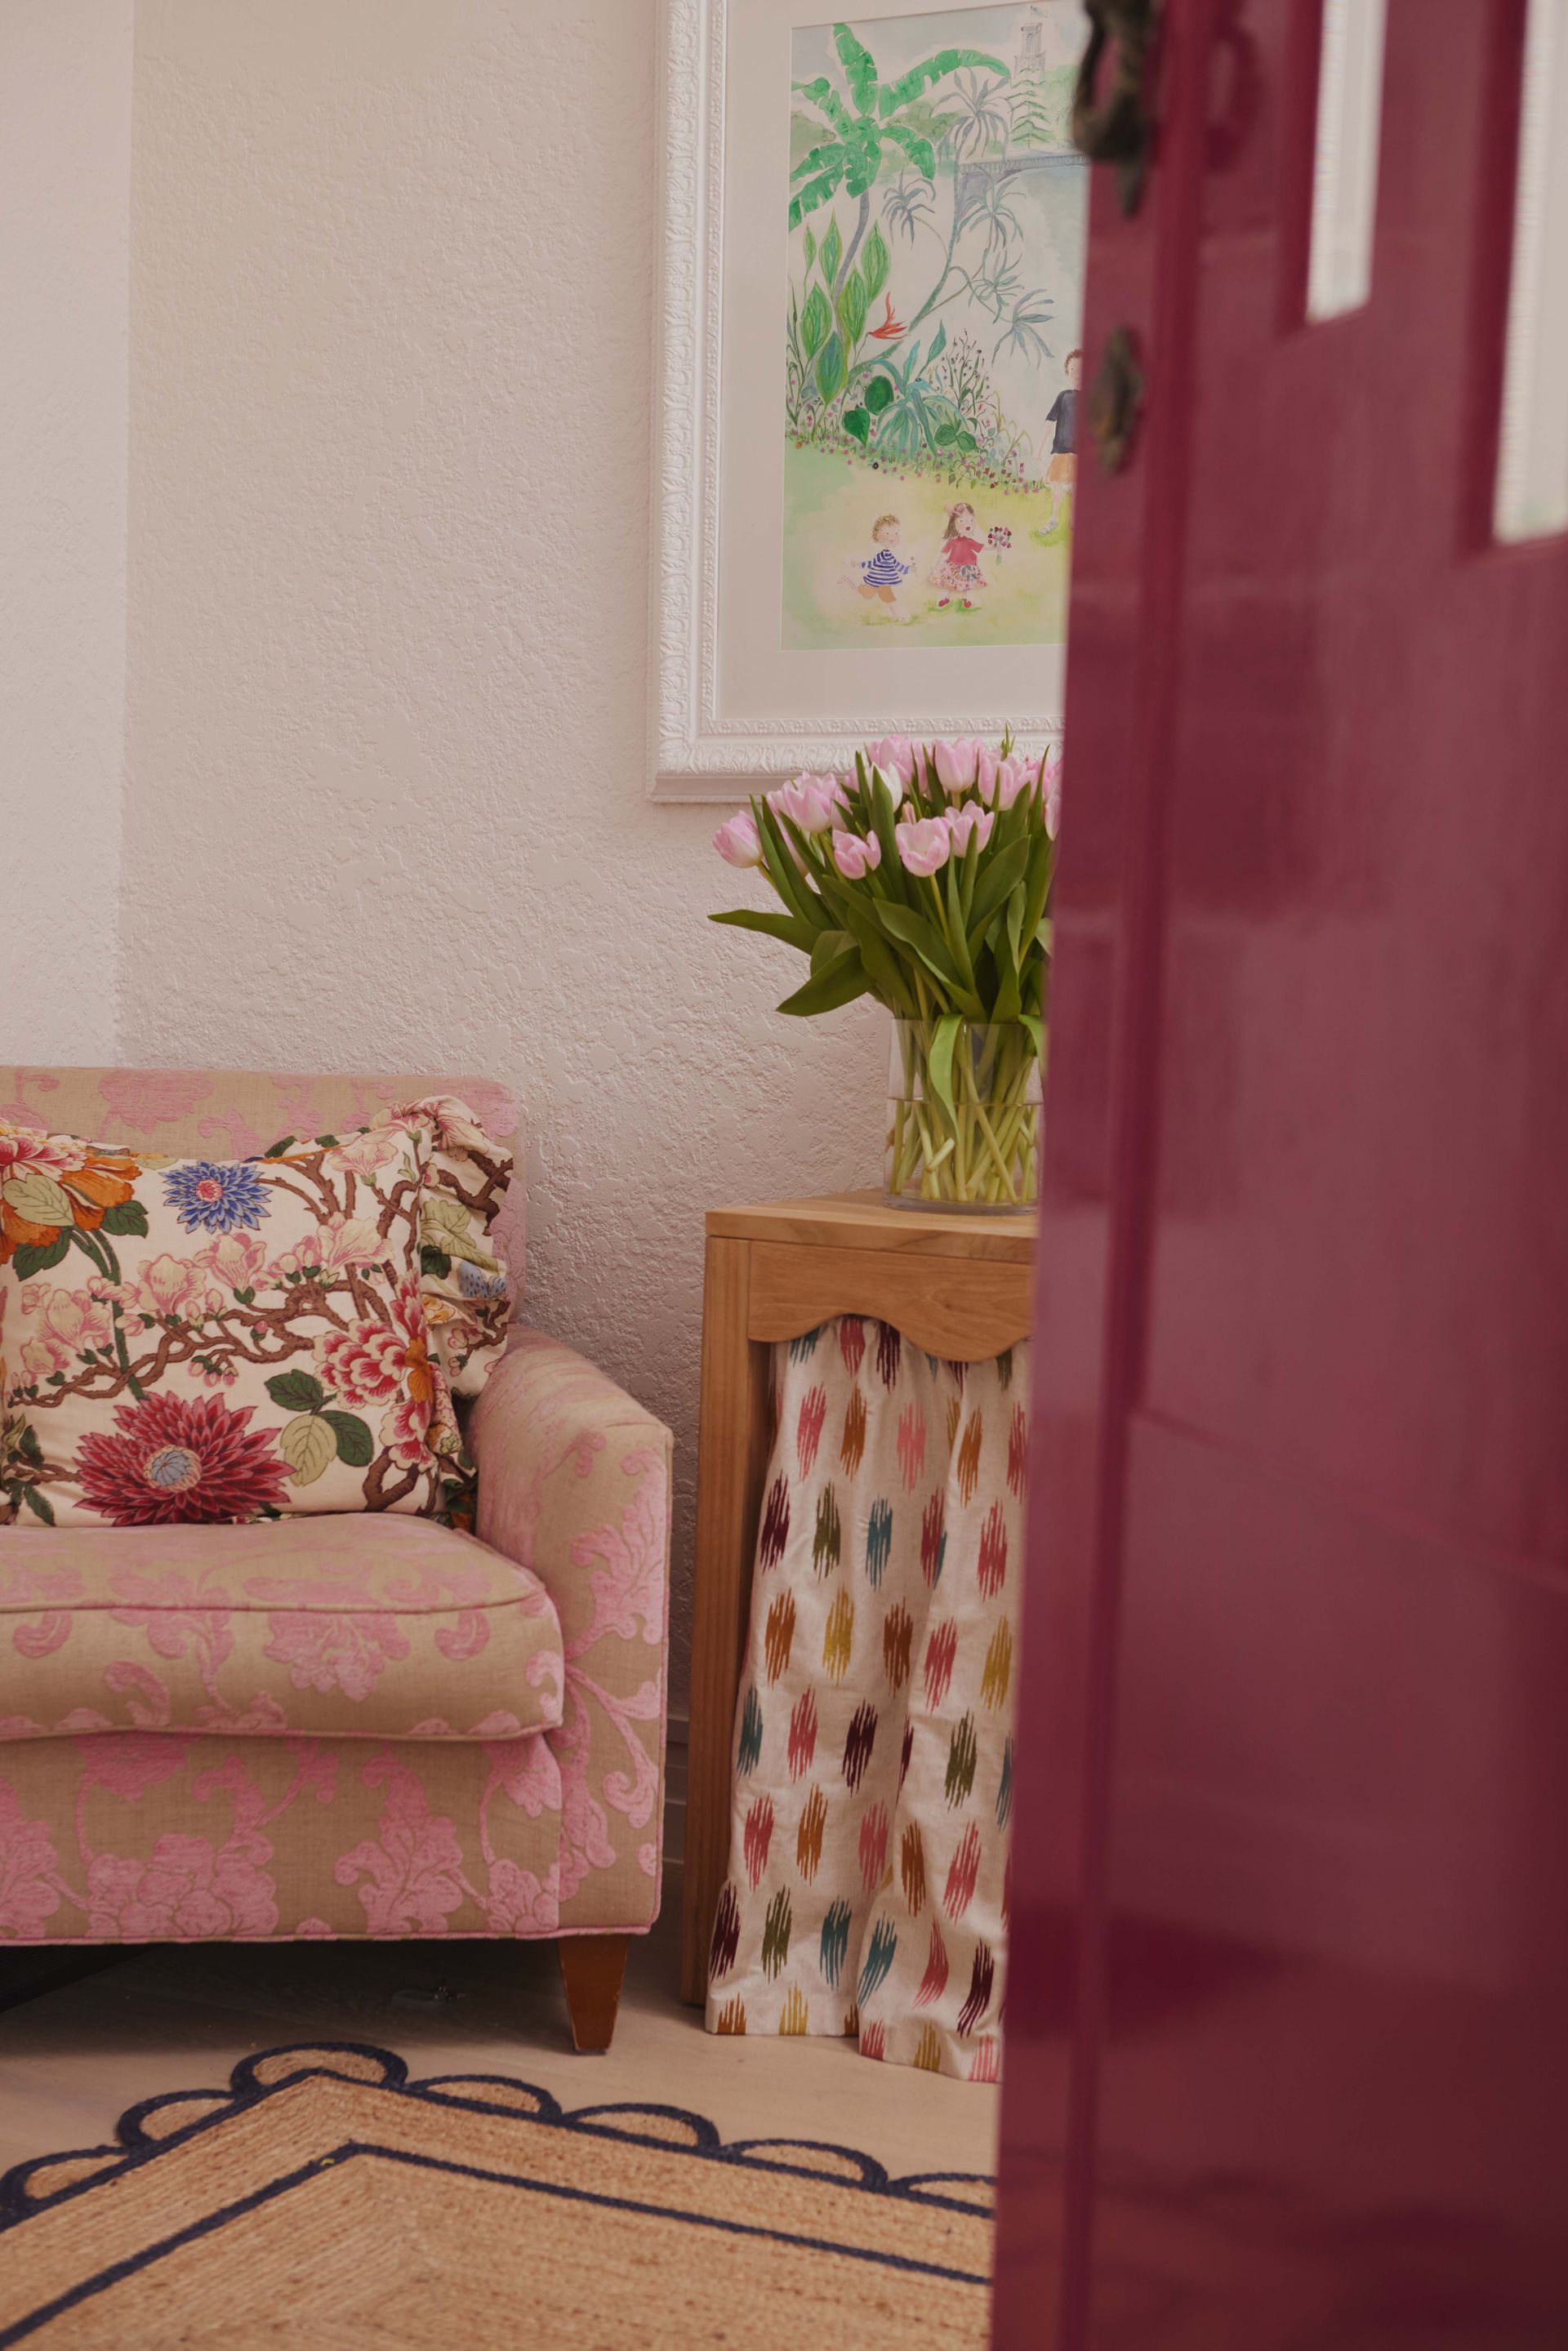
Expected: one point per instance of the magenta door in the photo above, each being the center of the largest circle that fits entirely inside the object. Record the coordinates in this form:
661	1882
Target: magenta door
1287	2010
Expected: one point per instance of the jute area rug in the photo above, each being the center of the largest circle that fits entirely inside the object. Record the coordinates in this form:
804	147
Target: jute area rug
323	2198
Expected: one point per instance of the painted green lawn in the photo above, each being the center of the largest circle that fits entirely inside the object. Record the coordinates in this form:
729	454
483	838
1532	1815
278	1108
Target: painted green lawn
830	504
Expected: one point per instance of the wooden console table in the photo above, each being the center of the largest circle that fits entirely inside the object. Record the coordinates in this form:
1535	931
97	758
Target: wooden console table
959	1286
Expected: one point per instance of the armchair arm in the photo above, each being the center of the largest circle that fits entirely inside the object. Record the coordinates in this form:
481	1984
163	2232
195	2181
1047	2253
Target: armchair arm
574	1484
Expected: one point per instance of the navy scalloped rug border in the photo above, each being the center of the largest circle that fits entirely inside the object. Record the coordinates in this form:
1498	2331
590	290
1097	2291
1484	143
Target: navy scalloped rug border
134	2148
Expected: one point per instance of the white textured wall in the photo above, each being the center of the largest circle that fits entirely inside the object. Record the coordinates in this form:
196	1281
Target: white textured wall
393	273
64	180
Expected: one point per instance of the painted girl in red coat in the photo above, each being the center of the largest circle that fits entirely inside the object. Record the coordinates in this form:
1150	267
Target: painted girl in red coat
957	569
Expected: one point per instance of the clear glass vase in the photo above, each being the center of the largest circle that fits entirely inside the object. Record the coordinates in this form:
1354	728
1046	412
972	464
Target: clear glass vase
966	1137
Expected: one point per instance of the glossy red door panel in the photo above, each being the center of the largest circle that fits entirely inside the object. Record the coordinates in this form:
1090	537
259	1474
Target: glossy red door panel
1288	2060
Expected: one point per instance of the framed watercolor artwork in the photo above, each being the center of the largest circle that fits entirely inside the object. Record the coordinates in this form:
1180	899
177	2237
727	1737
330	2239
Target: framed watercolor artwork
869	369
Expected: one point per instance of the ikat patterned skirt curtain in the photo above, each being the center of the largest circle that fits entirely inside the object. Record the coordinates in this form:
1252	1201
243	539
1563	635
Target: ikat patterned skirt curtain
874	1755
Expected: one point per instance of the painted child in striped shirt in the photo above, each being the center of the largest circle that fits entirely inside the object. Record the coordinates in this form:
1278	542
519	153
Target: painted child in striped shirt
882	573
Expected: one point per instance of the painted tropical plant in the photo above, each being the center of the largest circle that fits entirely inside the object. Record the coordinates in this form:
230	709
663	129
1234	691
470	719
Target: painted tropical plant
858	377
878	116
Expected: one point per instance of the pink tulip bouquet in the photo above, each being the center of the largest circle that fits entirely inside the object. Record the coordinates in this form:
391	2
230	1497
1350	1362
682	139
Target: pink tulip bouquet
923	880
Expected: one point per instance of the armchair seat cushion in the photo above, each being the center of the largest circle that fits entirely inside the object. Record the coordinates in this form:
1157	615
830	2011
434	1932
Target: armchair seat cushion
376	1627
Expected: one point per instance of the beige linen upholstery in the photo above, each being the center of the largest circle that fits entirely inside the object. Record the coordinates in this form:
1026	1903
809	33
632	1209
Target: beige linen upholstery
336	1628
574	1484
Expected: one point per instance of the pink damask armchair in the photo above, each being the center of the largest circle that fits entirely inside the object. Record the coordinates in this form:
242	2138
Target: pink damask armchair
349	1725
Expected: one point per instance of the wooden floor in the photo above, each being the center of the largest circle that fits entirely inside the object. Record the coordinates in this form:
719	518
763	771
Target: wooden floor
174	2017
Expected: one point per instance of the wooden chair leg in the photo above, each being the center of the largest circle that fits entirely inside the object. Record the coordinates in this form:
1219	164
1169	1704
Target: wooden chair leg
592	1967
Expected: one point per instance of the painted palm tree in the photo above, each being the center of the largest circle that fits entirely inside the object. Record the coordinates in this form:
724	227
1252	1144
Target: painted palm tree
977	118
860	127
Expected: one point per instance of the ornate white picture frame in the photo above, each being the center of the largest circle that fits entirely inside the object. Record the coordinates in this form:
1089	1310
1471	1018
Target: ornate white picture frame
734	706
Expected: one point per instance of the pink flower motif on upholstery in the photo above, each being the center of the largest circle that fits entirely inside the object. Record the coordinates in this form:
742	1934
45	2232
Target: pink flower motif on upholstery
337	1242
585	1843
175	1616
25	1578
128	1762
317	1769
146	1697
499	1723
237	1258
519	1903
188	1891
631	1584
451	1123
365	1154
334	1652
316	1931
262	1718
526	1771
26	1147
404	1430
170	1286
467	1637
347	1240
457	1584
65	1324
29	1872
177	1461
414	1874
239	1138
388	1362
140	1100
633	1792
51	1632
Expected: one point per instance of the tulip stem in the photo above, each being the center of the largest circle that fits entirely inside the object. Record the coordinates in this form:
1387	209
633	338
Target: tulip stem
984	1150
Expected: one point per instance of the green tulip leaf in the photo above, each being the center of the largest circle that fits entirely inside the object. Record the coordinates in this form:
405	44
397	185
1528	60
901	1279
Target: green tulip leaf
788	927
939	1062
839	982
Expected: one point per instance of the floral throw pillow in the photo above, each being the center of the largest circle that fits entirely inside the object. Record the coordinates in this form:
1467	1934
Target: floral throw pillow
201	1340
464	1282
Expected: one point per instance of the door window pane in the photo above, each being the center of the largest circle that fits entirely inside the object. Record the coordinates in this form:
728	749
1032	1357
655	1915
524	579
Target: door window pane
1345	180
1532	467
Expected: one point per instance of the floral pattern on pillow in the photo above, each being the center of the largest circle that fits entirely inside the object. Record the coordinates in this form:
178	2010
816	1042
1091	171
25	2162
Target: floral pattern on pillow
465	1285
246	1338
